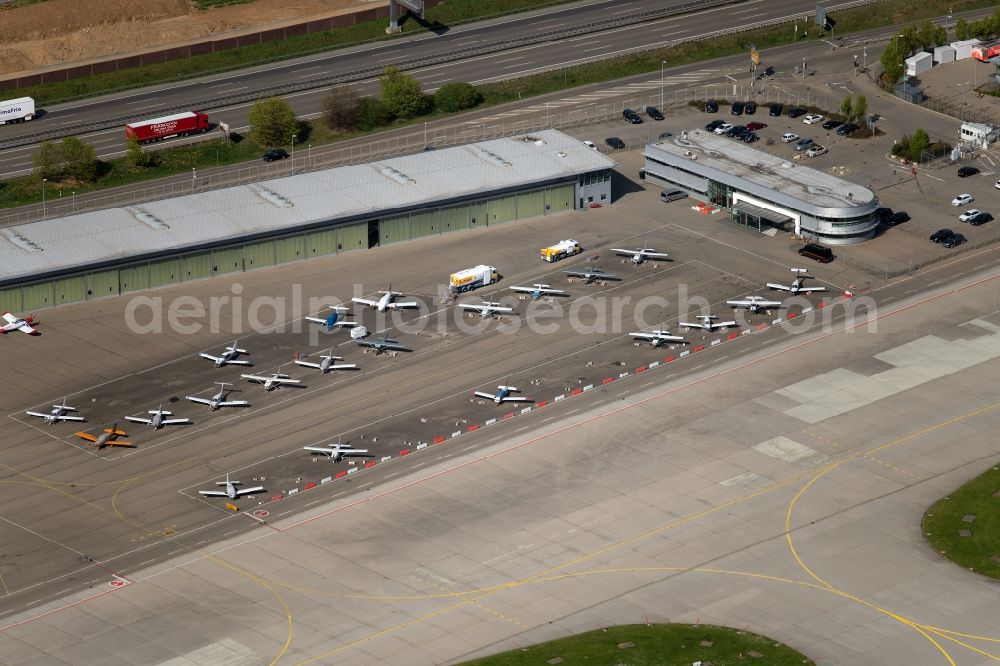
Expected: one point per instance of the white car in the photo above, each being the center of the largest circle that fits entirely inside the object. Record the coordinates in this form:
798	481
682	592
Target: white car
961	200
968	215
788	137
723	128
812	119
998	185
590	144
816	151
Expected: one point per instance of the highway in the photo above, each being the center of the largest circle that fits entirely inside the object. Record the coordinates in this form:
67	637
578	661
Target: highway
471	68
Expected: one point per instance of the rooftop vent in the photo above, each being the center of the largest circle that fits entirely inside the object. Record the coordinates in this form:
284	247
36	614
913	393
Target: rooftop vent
395	175
532	139
691	156
492	158
23	242
150	221
275	198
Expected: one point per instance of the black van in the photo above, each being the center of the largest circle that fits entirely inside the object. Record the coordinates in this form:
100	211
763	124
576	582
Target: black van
824	255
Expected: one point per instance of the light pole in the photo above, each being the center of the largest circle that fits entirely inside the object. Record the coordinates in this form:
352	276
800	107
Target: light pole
74	201
291	147
194	177
662	63
44	180
964	89
309	154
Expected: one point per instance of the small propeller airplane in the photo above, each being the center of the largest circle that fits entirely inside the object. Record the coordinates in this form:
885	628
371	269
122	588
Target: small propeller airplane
231	491
641	254
109	437
387	302
157	421
58	414
707	323
274	381
336	452
487	309
503	395
801	275
658	338
591	275
219	399
15	323
333	319
538	290
754	303
384	344
229	356
327	364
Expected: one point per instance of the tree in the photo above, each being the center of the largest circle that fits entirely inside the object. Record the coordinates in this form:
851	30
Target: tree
910	39
940	36
926	34
860	107
342	108
919	142
272	122
892	61
845	107
373	114
79	159
401	94
48	160
961	29
457	96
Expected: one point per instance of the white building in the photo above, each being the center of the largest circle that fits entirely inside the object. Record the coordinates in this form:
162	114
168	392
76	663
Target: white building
977	135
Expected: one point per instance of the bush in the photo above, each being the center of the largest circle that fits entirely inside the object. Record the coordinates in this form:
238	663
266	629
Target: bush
272	122
373	114
342	109
457	96
401	94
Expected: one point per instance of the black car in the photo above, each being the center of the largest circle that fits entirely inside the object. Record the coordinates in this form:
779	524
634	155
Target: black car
953	241
737	108
750	137
844	130
898	217
796	111
654	113
276	154
631	116
665	135
736	130
750	108
965	172
981	218
941	235
710	127
776	109
831	124
615	142
883	214
711	106
824	255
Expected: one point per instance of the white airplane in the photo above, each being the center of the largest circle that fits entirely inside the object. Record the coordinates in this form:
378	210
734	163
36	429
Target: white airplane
333	319
219	399
229	356
503	395
327	364
538	290
796	287
590	275
109	437
274	381
754	303
487	309
384	344
657	338
337	451
58	413
708	323
387	302
15	323
157	421
231	491
640	255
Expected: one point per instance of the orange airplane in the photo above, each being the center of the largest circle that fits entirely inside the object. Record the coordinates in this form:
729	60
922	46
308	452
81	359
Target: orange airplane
107	438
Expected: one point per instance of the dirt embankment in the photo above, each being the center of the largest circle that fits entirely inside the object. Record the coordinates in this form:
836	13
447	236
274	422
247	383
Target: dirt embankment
62	32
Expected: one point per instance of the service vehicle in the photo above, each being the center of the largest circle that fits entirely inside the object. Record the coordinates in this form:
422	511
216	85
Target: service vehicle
473	278
17	110
561	250
157	129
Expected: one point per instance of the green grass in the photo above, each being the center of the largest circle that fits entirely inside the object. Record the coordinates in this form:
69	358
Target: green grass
211	4
942	522
654	645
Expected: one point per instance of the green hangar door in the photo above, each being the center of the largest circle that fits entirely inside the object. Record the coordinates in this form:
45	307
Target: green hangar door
353	237
164	272
229	260
502	210
319	243
37	296
196	266
135	278
71	290
394	229
103	283
258	255
530	204
560	198
10	300
287	250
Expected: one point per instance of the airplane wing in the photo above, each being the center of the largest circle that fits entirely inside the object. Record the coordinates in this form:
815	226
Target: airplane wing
213	493
724	324
688	324
214	359
502	310
516	398
779	287
231	403
320	449
255	378
175	421
364	301
809	290
657	336
64	417
27	329
203	401
655	255
318	320
484	394
408	304
86	436
540	290
286	380
384	345
477	308
621	250
308	364
9	317
572	273
138	419
344	366
237	362
247	491
119	442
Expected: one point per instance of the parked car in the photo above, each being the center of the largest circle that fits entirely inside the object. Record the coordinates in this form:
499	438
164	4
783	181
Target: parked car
849	128
615	142
776	109
824	255
749	137
997	185
816	151
962	199
796	111
802	144
672	195
276	154
631	116
883	214
737	108
590	144
736	130
711	106
712	126
812	119
953	241
898	218
750	108
831	124
665	135
967	171
941	234
982	218
754	126
968	215
723	128
654	113
788	137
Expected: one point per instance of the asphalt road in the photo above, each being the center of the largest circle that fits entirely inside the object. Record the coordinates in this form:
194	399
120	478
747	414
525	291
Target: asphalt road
474	69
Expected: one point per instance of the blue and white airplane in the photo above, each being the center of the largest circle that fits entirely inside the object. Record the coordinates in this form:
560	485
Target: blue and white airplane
503	395
539	290
333	319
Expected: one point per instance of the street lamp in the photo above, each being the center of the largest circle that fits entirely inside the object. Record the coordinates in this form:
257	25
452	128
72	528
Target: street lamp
309	154
291	146
662	63
194	178
964	89
44	180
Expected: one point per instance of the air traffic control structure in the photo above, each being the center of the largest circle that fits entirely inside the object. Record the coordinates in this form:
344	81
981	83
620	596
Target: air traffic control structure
297	218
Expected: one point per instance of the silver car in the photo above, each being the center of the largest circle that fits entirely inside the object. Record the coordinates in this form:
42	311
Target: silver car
802	144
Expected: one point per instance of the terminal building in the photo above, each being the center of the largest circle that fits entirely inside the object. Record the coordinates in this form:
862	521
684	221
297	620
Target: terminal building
761	190
297	218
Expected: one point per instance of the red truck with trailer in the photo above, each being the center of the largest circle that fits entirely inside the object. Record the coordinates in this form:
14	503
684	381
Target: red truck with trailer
986	51
157	129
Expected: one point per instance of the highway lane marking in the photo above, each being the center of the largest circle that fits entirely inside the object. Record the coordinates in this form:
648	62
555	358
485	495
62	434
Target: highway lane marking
521	429
497	62
494	439
935	282
57	594
546	420
174	552
596	48
142	564
392	475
